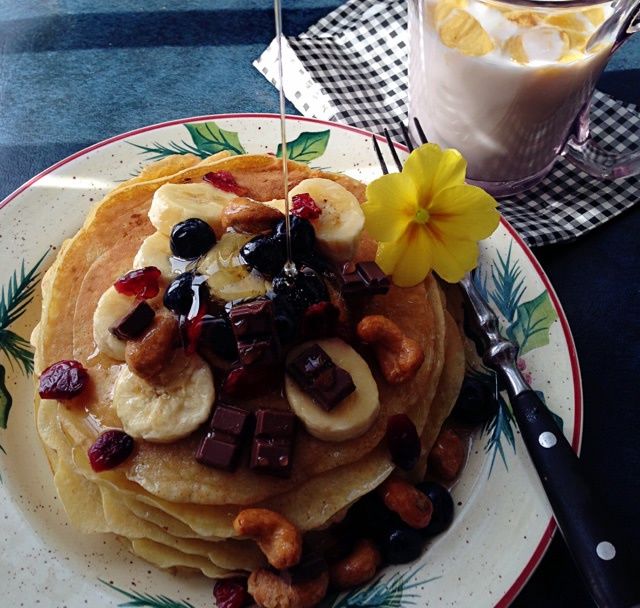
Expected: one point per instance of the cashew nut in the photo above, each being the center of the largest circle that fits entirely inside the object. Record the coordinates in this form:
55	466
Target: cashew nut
413	507
399	356
147	356
277	537
358	567
245	215
270	591
447	455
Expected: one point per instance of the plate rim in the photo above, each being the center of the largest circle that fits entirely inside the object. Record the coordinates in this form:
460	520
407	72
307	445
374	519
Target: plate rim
576	440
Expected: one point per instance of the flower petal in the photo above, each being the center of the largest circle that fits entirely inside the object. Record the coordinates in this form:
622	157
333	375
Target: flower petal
452	258
463	212
451	171
389	253
421	168
408	260
433	170
391	205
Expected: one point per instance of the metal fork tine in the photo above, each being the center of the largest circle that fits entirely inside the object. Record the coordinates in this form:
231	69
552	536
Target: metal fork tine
423	137
407	137
376	147
394	152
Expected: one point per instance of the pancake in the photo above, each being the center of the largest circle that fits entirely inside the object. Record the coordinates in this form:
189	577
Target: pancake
95	260
169	509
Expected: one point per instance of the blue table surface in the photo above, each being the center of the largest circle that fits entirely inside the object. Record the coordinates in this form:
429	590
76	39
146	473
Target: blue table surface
73	72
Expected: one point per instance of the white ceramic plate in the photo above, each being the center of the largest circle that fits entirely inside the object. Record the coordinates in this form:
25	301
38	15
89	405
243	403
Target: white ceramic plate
502	523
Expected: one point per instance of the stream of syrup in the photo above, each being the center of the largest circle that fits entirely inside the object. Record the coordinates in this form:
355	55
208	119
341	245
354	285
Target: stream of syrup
290	269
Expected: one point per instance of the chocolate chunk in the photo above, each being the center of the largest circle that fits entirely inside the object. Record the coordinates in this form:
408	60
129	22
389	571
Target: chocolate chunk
365	278
352	284
254	329
271	456
252	319
230	420
134	322
317	375
376	280
218	450
274	424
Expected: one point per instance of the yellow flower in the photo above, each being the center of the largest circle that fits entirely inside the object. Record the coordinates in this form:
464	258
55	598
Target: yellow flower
427	218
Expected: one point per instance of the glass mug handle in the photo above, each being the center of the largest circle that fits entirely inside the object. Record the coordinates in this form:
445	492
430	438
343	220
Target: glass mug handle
581	149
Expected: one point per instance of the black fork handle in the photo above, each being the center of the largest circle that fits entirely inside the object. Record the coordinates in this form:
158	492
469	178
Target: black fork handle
580	514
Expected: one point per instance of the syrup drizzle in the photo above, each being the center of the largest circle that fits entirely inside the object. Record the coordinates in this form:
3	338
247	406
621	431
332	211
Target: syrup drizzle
290	269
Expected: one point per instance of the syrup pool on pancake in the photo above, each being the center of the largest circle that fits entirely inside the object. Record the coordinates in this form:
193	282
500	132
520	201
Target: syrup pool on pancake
502	83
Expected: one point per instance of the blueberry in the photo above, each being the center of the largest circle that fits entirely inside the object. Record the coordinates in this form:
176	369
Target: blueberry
401	545
442	508
192	238
267	254
305	289
286	318
370	518
476	402
303	236
217	335
179	295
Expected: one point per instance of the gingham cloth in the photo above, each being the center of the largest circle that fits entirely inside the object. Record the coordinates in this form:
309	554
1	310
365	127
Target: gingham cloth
351	67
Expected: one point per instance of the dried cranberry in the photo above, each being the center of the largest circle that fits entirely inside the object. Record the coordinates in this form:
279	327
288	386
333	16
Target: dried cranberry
305	207
193	329
141	283
110	449
403	441
63	380
320	320
230	593
223	180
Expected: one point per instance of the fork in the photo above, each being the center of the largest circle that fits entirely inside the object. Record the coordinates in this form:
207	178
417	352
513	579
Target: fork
578	511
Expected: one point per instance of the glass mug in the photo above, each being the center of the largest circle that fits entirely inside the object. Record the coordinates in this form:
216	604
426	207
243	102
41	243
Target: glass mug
509	83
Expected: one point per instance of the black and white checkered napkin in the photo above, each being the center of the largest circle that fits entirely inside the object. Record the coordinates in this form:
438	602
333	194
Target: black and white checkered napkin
351	67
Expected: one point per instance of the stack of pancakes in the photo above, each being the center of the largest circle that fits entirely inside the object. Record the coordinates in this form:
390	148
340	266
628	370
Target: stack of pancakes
166	507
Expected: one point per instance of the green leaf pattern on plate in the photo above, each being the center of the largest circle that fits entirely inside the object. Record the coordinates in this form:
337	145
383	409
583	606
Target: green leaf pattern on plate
525	323
533	320
393	592
306	147
146	600
209	138
5	399
14	300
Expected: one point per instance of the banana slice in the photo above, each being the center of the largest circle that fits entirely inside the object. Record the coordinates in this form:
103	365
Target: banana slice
339	226
237	283
170	410
355	414
276	203
224	254
173	203
155	251
112	306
